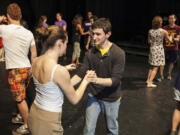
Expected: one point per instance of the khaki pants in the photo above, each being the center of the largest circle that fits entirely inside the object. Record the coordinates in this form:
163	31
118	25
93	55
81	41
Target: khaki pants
76	51
2	54
43	122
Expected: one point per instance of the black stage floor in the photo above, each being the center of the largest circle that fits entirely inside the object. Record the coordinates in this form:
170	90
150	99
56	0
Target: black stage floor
143	111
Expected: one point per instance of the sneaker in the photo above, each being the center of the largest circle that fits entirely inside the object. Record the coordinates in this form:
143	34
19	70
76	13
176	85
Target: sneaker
21	130
173	133
160	79
151	85
169	77
17	120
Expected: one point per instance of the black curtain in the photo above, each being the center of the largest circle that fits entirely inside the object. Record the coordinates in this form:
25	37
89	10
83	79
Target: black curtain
129	18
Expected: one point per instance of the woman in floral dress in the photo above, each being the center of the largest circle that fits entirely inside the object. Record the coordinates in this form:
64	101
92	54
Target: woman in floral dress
156	36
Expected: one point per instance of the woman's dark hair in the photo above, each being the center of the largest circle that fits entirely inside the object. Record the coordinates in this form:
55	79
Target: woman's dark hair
102	23
157	22
55	33
77	20
41	34
41	20
94	17
24	24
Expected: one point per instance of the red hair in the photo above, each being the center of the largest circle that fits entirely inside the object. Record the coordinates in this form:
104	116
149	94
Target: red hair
14	11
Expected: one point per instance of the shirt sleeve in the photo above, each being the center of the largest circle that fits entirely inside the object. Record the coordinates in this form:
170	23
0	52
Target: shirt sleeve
32	41
83	25
55	23
118	68
178	30
65	24
164	27
84	67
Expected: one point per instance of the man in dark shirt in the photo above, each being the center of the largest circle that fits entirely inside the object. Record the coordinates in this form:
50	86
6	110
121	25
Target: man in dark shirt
90	42
171	49
108	61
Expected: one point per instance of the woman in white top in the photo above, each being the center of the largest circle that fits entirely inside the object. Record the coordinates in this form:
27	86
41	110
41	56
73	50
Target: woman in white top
156	36
51	81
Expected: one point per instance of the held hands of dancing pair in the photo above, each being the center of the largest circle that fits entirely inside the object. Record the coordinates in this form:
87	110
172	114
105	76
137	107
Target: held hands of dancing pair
90	74
90	77
177	38
173	37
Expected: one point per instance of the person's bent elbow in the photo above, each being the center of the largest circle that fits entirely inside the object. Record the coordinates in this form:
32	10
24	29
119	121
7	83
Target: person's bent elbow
115	81
74	101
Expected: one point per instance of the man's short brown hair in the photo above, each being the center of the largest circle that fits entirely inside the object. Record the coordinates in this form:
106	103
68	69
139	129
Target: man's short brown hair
173	15
102	23
14	11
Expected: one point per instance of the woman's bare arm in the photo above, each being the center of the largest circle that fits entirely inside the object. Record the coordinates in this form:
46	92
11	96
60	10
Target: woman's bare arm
149	39
166	35
81	30
62	78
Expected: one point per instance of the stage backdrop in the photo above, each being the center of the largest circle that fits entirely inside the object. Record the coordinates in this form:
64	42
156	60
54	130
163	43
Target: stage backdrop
130	18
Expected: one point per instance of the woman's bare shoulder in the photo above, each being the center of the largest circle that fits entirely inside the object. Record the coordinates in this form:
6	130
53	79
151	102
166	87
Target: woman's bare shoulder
61	70
61	74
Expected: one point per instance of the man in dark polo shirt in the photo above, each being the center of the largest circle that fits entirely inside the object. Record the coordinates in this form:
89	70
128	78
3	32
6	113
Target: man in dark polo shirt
104	95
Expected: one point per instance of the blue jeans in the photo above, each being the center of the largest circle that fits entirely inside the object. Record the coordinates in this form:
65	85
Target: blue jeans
93	109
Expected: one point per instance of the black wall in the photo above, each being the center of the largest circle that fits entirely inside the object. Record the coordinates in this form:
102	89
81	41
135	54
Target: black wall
130	18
